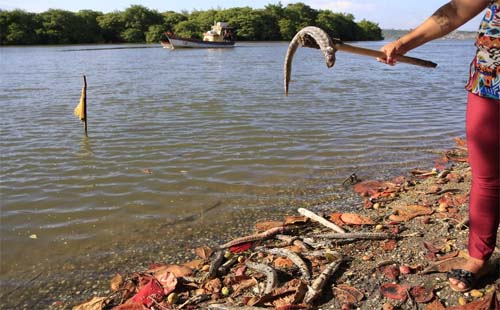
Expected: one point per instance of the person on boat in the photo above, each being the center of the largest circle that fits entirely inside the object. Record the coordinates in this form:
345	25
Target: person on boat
482	123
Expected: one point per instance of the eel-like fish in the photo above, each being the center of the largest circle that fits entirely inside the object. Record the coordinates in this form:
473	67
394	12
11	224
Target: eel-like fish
309	37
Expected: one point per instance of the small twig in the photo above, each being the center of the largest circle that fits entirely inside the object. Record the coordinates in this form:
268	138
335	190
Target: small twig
296	259
318	284
320	220
414	234
194	300
21	285
269	272
261	236
231	307
356	235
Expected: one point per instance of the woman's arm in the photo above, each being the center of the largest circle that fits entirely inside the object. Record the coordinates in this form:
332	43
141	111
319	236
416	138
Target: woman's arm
446	19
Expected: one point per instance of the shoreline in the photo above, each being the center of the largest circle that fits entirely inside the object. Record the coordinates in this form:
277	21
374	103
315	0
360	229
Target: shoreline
425	214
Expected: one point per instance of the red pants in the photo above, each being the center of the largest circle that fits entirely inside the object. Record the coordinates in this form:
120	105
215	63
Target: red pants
483	142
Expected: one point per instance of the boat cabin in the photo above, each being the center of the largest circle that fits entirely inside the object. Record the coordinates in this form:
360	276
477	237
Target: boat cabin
220	32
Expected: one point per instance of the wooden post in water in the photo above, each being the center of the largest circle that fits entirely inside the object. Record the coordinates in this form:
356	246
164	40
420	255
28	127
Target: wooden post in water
85	104
81	108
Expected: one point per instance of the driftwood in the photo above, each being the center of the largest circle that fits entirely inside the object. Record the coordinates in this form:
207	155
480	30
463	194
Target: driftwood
356	235
320	220
295	258
260	236
317	286
216	263
269	272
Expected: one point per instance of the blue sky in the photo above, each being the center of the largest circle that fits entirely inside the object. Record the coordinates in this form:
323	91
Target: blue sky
397	14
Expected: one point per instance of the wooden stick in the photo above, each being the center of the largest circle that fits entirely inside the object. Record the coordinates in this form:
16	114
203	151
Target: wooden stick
317	286
269	272
295	258
341	46
261	236
320	220
357	235
85	104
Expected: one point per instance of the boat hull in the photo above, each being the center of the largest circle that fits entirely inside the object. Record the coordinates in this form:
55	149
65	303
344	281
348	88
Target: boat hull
174	43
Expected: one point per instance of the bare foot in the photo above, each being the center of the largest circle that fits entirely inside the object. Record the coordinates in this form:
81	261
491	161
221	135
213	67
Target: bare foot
474	265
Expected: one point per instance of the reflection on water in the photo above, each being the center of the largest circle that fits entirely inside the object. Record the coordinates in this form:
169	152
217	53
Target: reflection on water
184	143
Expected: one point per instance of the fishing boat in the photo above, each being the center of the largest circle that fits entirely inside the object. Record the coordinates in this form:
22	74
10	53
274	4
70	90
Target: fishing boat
220	36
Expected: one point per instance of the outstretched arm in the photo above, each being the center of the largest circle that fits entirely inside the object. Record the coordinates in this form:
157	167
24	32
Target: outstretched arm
446	19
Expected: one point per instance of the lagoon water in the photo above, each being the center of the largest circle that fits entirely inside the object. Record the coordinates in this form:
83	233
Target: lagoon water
187	146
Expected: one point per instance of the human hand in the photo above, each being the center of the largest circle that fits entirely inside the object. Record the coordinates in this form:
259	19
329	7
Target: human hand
392	51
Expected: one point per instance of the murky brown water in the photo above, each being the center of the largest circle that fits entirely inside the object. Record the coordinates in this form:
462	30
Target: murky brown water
190	145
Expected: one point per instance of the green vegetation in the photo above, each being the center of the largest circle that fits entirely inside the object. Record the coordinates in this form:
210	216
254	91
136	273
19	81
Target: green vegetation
138	24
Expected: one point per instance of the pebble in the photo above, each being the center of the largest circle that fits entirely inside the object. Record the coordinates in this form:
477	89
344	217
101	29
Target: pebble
476	293
462	301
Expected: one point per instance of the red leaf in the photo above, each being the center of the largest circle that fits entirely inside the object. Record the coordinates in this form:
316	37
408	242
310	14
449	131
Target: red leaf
347	294
421	294
390	271
148	293
435	305
394	291
430	247
388	245
242	247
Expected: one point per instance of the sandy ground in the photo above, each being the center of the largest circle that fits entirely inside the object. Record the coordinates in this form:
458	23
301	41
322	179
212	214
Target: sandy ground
415	230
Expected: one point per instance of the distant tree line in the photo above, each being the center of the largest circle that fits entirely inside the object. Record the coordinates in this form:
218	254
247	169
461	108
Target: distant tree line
138	24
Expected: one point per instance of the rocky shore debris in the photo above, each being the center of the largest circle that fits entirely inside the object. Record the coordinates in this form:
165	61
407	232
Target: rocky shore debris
392	254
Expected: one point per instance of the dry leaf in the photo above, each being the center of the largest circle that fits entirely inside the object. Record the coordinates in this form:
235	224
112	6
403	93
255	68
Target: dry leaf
335	217
203	252
167	280
213	286
177	270
243	284
299	219
282	262
95	303
445	265
116	282
394	291
435	305
347	294
355	219
265	225
194	264
388	245
370	187
421	294
390	271
406	213
430	247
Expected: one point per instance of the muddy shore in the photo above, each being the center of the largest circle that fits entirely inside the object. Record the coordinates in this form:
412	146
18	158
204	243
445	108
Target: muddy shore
407	232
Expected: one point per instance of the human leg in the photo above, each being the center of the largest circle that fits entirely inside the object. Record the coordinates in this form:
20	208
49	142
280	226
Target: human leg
483	140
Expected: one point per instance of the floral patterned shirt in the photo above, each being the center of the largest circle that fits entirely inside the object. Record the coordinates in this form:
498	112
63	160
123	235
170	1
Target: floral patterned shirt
484	77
